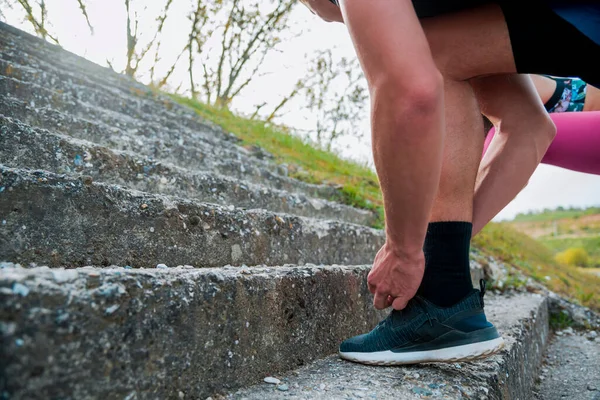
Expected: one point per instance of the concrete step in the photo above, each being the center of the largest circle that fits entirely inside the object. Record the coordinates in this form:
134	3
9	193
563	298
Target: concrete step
17	63
26	147
571	368
43	75
523	322
97	332
114	333
50	86
164	132
150	106
33	48
79	119
58	220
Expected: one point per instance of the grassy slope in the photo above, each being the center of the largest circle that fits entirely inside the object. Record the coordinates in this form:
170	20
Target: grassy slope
537	261
360	188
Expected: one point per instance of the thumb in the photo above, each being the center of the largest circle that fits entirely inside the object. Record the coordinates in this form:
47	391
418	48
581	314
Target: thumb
399	303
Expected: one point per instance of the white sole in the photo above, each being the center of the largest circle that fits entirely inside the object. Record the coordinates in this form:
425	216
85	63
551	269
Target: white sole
467	352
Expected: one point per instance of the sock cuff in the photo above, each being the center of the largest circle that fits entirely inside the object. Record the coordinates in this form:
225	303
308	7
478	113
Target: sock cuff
450	228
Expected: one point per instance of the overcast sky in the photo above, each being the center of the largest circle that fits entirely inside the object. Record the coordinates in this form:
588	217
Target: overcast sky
548	188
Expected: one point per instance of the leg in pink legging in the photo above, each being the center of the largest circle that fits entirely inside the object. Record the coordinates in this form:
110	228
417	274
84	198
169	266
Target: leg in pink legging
577	142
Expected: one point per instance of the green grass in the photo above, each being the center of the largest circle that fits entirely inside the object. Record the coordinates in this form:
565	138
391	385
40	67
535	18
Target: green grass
560	321
551	215
359	184
537	261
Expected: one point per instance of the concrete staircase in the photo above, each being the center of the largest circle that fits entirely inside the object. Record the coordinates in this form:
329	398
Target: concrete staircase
148	255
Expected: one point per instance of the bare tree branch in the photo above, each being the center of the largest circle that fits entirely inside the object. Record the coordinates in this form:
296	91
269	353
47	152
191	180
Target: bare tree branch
83	9
38	26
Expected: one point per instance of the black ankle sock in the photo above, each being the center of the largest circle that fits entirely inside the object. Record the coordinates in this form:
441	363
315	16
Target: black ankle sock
447	276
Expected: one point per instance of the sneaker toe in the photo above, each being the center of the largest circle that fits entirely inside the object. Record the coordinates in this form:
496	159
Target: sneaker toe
354	344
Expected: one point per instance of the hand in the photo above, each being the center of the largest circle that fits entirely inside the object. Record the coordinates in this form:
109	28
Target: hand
394	279
325	9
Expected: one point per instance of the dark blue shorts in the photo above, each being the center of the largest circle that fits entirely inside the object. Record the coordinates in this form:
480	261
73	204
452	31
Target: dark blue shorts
551	37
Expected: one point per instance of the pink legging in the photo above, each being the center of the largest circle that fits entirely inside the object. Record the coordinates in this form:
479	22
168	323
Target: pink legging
577	142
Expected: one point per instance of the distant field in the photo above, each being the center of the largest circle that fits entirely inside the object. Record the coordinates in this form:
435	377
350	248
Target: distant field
560	230
581	225
552	215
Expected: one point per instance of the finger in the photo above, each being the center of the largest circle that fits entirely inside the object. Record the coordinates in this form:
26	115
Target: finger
380	301
372	288
399	303
390	300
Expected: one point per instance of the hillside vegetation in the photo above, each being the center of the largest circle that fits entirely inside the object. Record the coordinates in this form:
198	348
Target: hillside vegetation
565	229
537	261
359	187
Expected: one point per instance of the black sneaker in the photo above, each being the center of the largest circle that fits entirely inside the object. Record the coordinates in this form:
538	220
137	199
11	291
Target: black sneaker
424	332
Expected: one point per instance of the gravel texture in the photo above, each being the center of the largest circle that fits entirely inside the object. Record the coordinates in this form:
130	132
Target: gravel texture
571	368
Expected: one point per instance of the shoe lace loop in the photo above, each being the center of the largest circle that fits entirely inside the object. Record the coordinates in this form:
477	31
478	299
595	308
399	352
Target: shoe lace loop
423	306
482	284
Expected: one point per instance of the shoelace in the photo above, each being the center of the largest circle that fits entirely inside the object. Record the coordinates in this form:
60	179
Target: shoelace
482	284
423	306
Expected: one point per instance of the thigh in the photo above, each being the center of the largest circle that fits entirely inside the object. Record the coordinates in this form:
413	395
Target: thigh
470	43
507	37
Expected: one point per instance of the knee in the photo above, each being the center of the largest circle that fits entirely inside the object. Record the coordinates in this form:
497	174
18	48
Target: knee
541	129
416	93
550	129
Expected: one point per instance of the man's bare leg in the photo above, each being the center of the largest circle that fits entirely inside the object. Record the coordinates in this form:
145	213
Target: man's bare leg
475	45
461	46
464	45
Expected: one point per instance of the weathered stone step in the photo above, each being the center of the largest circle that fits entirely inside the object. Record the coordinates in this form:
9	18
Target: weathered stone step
57	220
108	333
148	143
167	129
161	110
160	142
17	64
161	131
511	374
34	48
94	332
24	147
